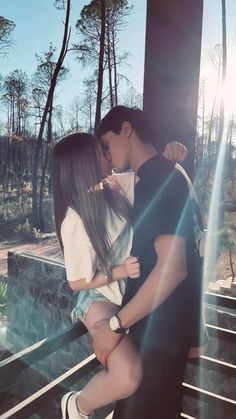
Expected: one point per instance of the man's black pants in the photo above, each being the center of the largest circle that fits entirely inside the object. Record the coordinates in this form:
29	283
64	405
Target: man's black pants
160	394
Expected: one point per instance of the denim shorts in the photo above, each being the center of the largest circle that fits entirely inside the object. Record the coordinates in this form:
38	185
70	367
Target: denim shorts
85	299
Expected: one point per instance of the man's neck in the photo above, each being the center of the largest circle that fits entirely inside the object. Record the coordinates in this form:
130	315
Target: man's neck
140	154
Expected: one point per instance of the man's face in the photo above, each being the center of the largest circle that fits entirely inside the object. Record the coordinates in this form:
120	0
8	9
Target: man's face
117	149
106	165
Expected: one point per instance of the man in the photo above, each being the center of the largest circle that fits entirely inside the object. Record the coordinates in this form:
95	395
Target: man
162	307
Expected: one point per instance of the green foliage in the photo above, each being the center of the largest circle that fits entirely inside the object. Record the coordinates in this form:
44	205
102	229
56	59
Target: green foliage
89	27
60	4
46	65
203	190
227	238
13	207
27	233
3	293
48	215
6	29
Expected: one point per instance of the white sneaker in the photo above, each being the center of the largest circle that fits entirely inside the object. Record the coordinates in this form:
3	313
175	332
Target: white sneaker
69	409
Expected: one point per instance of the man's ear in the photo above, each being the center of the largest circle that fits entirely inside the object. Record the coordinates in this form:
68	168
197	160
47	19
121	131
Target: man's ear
126	129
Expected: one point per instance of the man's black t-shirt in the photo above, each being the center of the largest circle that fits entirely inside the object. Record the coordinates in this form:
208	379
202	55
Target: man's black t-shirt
162	206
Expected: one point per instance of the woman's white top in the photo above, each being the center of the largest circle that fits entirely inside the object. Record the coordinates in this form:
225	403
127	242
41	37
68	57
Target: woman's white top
79	255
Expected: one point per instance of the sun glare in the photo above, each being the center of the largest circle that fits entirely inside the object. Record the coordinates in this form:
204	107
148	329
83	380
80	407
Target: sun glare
229	89
214	92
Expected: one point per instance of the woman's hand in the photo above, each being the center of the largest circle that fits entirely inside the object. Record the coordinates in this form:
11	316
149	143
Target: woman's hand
132	267
175	151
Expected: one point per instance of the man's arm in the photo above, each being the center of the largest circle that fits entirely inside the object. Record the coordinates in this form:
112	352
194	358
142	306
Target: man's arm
169	271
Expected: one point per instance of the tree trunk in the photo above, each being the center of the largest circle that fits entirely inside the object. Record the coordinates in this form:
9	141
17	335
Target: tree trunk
19	119
209	141
44	171
231	263
223	77
13	115
230	153
115	67
109	68
90	118
100	66
203	124
221	137
49	101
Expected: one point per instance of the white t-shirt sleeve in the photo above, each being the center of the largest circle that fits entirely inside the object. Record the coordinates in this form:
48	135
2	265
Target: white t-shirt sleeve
79	255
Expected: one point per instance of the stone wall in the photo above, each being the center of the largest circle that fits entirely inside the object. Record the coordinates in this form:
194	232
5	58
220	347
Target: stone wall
39	299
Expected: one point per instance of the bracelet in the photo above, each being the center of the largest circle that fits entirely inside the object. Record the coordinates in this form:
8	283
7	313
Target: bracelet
119	321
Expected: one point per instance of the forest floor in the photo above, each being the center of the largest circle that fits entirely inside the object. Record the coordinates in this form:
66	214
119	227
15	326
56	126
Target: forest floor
48	247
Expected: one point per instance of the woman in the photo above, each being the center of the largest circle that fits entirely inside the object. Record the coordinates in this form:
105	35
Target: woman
92	224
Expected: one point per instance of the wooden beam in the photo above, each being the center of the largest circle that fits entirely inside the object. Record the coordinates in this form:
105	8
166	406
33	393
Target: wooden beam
171	74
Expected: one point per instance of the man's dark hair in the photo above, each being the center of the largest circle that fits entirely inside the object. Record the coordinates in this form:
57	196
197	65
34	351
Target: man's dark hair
114	119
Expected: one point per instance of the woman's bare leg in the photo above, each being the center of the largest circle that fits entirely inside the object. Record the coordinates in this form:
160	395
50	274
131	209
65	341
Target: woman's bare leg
123	374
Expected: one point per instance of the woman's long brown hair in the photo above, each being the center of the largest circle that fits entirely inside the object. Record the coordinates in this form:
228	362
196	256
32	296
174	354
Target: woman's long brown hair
76	170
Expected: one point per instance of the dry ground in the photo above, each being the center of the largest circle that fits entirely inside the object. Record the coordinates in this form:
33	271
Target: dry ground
48	247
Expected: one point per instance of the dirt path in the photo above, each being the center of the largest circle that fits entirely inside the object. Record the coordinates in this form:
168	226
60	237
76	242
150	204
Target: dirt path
47	247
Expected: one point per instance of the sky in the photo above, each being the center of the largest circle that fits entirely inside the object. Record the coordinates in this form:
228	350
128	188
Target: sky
38	23
211	36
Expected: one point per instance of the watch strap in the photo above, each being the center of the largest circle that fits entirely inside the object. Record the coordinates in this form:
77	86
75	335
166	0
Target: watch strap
119	329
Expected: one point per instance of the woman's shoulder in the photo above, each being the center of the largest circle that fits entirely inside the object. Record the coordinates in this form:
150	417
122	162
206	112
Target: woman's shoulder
71	215
72	222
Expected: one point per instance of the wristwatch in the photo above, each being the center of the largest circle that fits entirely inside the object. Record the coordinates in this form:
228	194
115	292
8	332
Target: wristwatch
115	325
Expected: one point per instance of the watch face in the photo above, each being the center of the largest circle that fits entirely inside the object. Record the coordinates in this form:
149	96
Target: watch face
113	323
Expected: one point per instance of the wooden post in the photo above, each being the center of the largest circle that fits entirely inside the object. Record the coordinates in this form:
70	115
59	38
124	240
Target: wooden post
172	65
